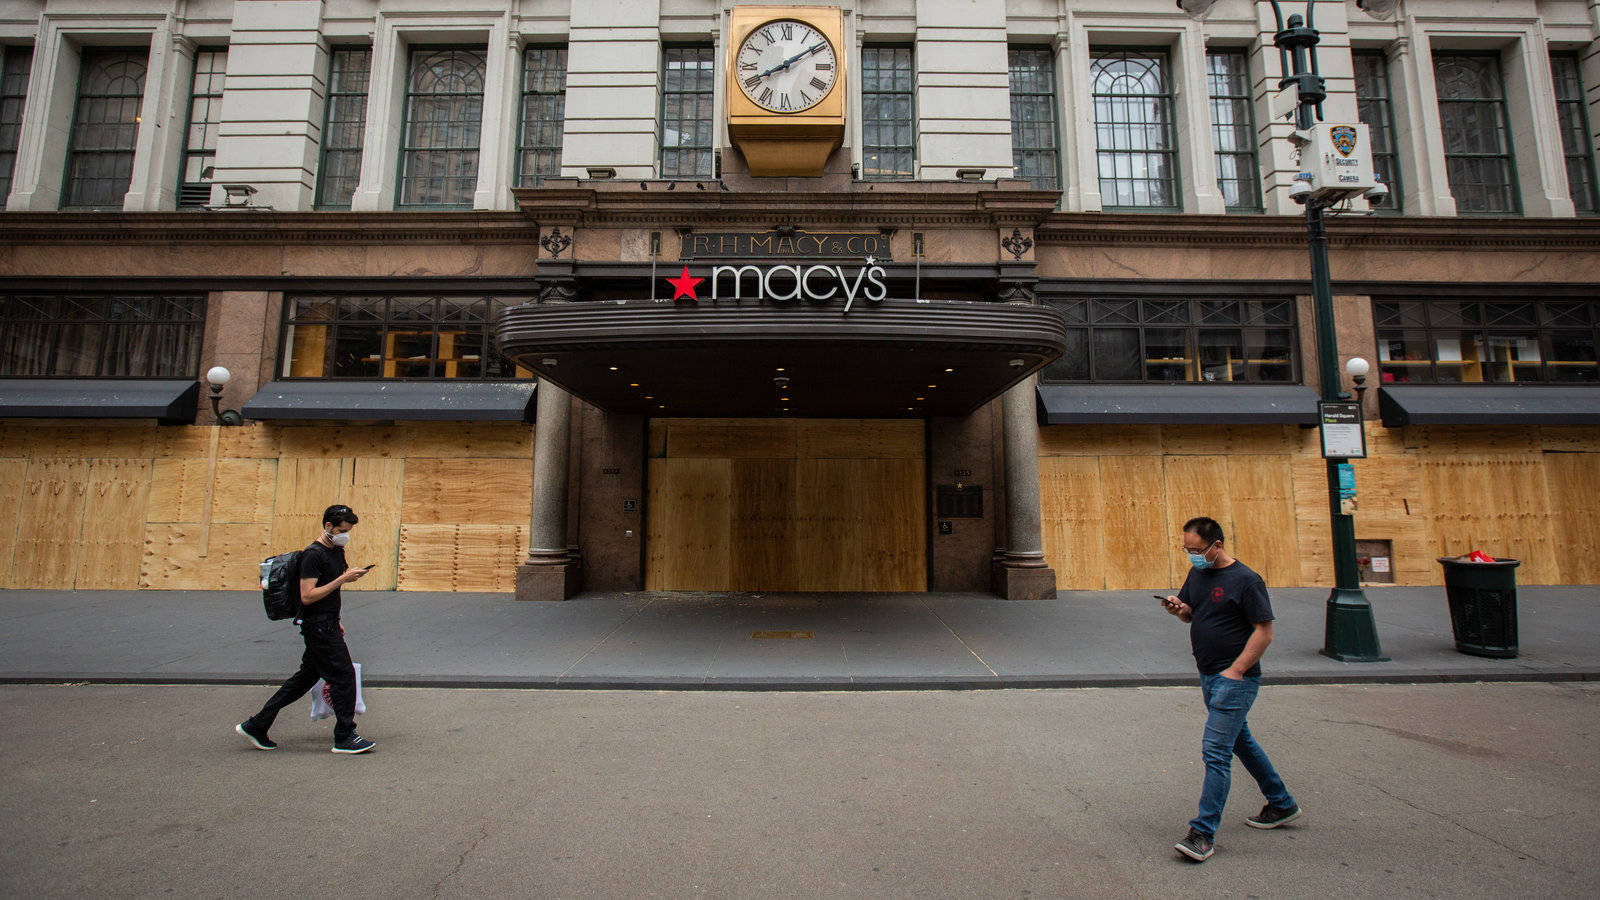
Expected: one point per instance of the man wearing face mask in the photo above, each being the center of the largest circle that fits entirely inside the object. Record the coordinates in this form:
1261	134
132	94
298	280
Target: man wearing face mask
1230	626
322	572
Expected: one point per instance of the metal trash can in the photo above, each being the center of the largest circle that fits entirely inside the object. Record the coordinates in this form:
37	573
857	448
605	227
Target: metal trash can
1483	605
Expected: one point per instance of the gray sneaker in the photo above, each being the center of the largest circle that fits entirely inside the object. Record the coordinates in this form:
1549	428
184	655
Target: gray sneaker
1271	816
355	743
1195	845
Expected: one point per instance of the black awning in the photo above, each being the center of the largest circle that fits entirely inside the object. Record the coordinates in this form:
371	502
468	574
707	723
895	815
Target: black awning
449	401
1177	404
171	400
1489	404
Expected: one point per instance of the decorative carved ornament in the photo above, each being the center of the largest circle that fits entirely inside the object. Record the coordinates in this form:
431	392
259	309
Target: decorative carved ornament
1017	244
556	242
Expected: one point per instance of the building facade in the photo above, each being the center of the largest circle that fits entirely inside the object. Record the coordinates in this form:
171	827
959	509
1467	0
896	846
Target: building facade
555	297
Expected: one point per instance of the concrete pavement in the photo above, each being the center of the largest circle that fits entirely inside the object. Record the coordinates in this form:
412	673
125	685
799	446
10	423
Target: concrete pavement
755	641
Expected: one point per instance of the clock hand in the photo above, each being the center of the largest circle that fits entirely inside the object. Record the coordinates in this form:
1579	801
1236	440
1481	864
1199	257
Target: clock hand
793	59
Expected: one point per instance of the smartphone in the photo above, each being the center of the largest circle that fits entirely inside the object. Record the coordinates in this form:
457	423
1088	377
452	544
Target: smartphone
369	568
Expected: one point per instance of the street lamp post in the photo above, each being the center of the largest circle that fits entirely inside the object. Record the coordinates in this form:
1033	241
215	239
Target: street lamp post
1351	634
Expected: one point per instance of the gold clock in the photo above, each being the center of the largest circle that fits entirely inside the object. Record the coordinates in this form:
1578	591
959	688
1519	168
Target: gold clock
786	86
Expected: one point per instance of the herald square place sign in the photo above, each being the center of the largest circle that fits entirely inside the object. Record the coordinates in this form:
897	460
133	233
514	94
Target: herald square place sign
781	268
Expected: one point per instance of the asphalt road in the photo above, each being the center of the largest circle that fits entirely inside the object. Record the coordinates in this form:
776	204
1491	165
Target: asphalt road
1482	790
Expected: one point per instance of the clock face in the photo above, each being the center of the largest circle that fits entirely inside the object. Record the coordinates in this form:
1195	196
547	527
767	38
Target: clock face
786	66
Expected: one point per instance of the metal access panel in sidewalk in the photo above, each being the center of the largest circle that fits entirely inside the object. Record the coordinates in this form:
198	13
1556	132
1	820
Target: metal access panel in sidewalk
786	505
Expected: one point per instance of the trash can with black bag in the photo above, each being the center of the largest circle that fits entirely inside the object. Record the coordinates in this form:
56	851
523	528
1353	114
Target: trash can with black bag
1483	605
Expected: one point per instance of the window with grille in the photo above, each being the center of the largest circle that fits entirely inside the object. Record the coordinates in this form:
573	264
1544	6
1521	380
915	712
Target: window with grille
1035	137
205	117
1376	111
1477	139
1133	118
888	113
1576	140
544	111
105	125
1161	340
349	71
77	336
443	126
1473	341
1233	125
394	336
13	93
686	107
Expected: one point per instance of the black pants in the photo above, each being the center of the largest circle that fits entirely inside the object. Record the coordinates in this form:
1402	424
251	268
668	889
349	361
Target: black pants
327	658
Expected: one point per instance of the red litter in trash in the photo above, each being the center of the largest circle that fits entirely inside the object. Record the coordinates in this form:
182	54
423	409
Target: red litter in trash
1480	556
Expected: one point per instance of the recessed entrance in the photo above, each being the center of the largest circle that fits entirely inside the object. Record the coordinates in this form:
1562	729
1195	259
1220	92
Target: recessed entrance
786	505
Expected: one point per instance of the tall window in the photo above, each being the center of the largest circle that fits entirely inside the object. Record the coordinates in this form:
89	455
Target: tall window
13	93
687	80
106	337
1575	137
1477	141
1471	341
544	111
1035	143
888	113
1376	111
1234	126
349	69
1222	339
444	123
1133	118
205	117
394	337
105	123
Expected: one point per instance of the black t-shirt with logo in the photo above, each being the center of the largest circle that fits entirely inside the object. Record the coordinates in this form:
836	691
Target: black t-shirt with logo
1227	604
324	564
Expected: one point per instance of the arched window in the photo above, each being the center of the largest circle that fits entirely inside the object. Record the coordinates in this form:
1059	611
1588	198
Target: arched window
1133	117
443	127
105	124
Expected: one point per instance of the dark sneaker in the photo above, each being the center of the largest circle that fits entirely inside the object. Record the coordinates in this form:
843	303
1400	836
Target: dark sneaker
355	743
261	740
1194	845
1271	816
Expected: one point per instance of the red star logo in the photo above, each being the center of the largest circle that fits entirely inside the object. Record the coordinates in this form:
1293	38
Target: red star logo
683	285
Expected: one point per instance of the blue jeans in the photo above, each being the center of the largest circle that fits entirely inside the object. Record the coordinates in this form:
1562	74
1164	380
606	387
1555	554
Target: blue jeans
1227	735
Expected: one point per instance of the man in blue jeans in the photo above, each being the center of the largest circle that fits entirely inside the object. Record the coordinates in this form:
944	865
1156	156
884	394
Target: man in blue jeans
1230	626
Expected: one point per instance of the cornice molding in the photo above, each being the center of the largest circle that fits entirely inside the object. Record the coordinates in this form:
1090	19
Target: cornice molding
1364	232
265	226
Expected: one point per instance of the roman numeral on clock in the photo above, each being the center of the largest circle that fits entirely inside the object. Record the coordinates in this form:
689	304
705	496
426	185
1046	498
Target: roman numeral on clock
766	97
819	84
752	81
824	67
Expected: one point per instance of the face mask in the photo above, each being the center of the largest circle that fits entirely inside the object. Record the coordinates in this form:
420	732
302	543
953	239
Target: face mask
1198	560
339	540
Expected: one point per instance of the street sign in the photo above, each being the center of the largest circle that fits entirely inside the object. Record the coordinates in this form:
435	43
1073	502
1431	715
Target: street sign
1343	434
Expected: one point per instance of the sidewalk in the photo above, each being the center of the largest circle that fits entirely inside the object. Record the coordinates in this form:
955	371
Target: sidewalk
709	640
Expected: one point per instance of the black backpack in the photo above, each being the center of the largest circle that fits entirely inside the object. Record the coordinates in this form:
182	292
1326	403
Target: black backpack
280	585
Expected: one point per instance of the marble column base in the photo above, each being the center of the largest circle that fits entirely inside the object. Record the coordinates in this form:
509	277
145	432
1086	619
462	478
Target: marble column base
547	581
1022	582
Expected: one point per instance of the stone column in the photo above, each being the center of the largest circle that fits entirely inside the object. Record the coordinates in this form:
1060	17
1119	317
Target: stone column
1020	572
549	572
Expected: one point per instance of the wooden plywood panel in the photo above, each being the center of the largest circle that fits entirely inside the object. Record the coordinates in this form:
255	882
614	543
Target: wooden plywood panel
376	488
1099	440
467	491
1196	486
861	525
1137	536
763	531
49	524
1474	439
113	525
1570	438
1312	529
460	557
1574	489
1498	504
177	490
243	491
484	440
1072	510
249	441
336	441
1389	490
1212	440
730	438
1261	492
305	488
13	472
92	441
860	439
687	529
172	560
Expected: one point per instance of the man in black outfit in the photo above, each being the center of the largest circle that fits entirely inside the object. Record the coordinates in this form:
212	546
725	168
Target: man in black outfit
322	572
1230	627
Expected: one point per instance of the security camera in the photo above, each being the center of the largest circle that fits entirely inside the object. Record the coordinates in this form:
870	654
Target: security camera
1300	191
1378	194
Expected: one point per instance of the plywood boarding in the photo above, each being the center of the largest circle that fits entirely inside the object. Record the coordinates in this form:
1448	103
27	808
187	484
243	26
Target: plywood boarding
1573	481
305	488
49	523
90	441
113	525
1391	508
861	525
730	438
376	487
689	516
860	439
461	557
764	529
1196	486
1263	526
481	440
243	493
1137	536
1210	440
13	472
1100	440
1073	517
178	490
467	491
172	559
1498	504
338	441
1570	439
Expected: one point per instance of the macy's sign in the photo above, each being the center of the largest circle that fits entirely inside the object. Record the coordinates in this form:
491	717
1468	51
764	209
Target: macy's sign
787	283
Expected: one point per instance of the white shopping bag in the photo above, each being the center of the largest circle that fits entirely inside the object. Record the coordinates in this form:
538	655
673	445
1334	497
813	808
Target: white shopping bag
322	700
